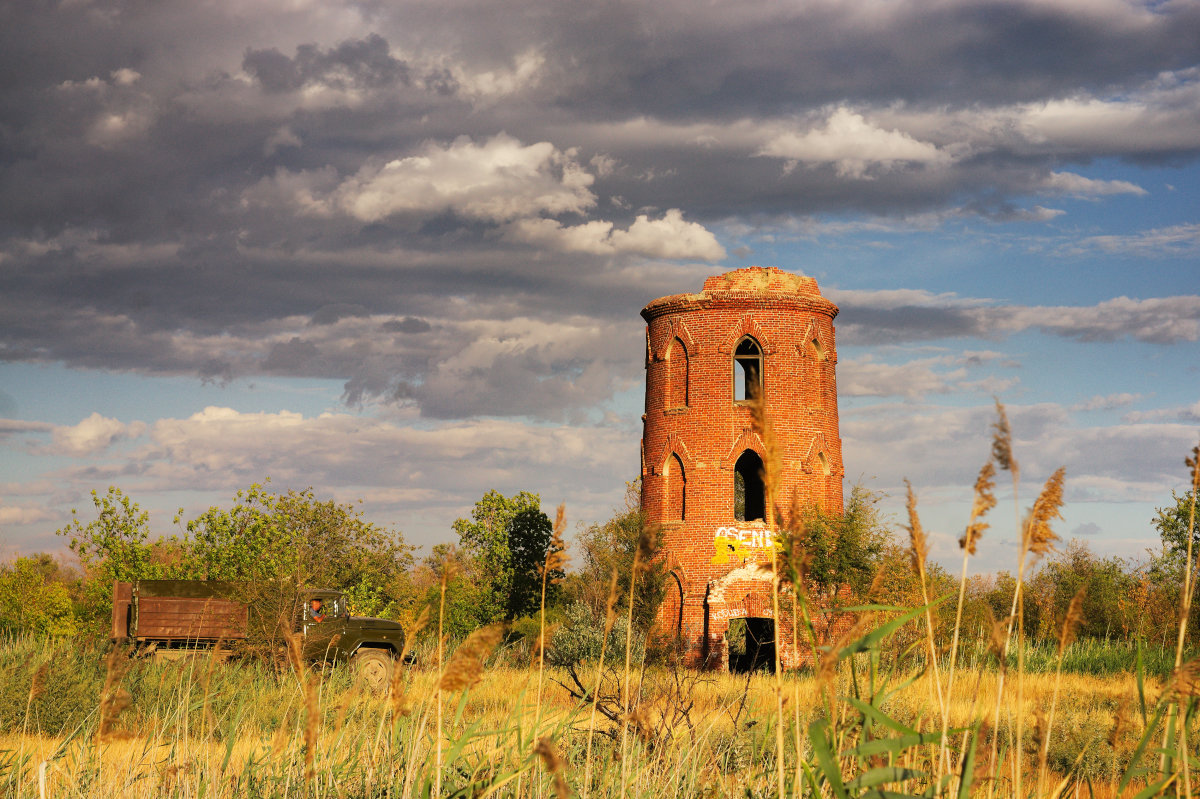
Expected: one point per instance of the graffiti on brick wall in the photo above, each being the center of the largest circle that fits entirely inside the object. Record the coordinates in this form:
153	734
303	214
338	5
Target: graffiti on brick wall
734	545
740	613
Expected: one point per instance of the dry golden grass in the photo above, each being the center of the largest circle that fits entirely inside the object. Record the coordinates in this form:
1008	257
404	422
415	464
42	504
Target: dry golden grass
156	762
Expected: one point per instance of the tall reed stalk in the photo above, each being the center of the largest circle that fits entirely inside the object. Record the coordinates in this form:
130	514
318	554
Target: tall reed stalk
772	470
919	550
984	500
609	618
555	560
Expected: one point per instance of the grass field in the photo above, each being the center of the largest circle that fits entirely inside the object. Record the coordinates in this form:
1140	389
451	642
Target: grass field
197	728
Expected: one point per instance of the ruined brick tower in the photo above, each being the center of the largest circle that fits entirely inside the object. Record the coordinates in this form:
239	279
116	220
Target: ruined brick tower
748	331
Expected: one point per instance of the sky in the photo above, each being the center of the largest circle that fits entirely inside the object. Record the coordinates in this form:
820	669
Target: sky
395	251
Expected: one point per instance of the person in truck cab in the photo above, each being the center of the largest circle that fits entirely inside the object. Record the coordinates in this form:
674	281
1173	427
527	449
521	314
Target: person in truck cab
316	610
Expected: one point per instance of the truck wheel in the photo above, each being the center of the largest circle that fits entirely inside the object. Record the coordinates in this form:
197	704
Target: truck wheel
373	669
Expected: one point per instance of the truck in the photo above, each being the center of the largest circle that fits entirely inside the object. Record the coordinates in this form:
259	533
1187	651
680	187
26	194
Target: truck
171	619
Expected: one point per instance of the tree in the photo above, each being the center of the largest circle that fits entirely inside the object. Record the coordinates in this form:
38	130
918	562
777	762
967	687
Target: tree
844	550
263	536
505	541
1104	582
1173	524
296	537
613	545
529	533
34	597
116	545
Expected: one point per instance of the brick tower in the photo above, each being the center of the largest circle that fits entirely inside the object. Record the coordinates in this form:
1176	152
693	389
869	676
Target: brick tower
748	331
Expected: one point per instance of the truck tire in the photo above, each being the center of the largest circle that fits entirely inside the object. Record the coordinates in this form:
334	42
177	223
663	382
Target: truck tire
373	669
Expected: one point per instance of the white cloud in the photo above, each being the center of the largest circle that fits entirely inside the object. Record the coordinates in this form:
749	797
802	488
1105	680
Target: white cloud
1107	403
915	379
1170	241
26	514
668	237
1080	186
125	76
92	435
867	378
1187	413
496	181
853	145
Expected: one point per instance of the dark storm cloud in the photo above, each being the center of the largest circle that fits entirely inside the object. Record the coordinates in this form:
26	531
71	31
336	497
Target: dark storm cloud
363	63
462	205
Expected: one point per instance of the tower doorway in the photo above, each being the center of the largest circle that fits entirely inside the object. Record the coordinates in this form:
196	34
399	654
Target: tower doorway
751	645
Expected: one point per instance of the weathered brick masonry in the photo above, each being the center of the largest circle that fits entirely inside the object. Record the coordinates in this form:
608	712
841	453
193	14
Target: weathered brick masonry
746	330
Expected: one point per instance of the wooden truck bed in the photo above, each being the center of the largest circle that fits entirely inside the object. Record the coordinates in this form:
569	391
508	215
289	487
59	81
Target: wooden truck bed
176	610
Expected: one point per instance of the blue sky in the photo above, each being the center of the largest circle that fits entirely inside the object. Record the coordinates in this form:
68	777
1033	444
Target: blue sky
397	253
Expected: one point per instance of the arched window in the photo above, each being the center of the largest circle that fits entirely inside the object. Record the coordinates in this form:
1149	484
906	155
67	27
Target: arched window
677	365
749	493
676	489
747	370
823	464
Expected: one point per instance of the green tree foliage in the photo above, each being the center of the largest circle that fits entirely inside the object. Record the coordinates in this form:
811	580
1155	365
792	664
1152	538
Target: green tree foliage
1173	523
301	539
34	597
468	603
529	534
117	545
613	544
846	549
296	537
263	536
1105	583
502	546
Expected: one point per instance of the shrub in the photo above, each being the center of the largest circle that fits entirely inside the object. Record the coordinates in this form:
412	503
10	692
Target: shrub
579	639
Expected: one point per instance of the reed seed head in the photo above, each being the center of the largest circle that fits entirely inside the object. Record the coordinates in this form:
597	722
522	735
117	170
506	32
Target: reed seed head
985	500
1039	537
997	637
1185	680
552	760
1193	463
918	543
466	665
1071	622
556	553
113	696
1002	442
1120	723
37	684
647	547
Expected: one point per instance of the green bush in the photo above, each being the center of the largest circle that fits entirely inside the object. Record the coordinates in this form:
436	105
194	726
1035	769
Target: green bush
579	639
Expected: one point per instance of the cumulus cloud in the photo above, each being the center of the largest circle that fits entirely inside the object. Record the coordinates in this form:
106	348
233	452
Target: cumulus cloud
456	209
498	180
853	145
92	435
919	377
23	514
668	237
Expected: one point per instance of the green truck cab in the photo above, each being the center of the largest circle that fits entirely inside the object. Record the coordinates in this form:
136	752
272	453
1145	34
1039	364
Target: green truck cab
180	618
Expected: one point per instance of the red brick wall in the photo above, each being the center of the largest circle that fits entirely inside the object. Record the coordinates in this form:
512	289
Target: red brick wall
713	556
